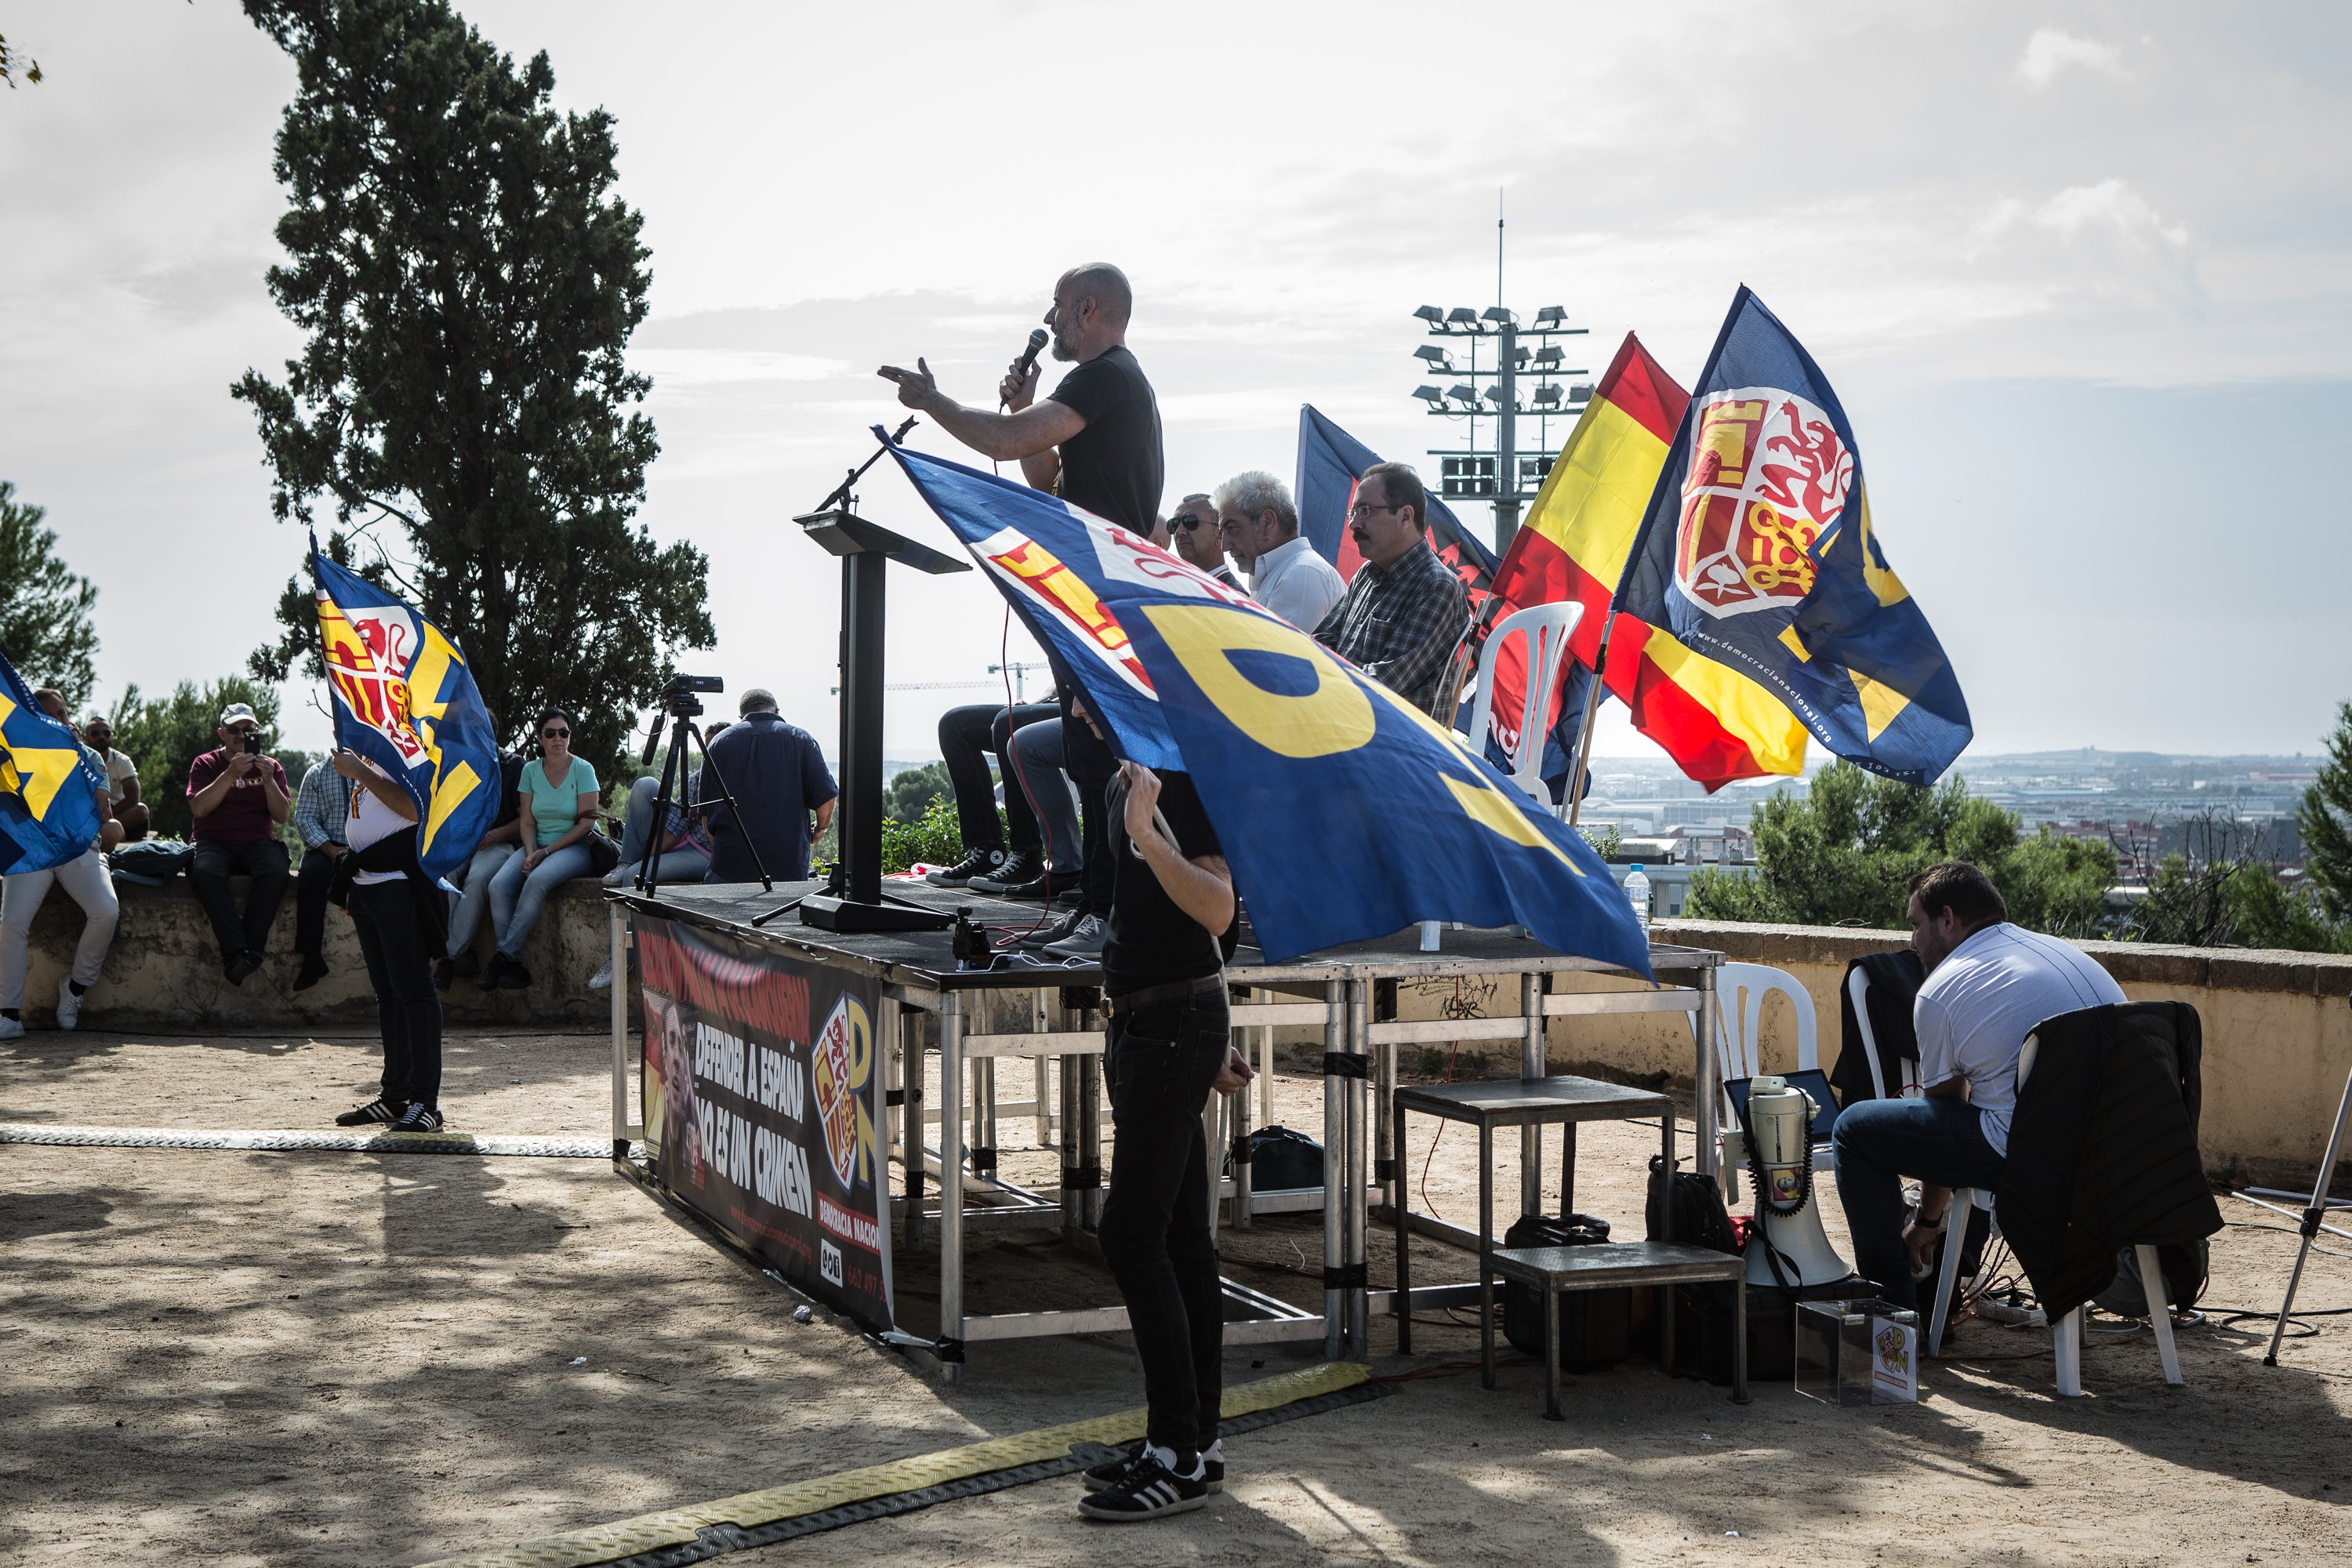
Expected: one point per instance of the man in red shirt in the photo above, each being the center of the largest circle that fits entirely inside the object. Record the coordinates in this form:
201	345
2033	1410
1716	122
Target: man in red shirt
238	797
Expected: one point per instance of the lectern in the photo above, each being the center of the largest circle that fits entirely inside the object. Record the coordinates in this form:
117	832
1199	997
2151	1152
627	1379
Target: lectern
856	901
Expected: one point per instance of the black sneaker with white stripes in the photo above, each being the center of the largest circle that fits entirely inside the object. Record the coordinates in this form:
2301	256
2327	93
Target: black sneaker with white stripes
418	1118
378	1110
1110	1472
977	863
1147	1490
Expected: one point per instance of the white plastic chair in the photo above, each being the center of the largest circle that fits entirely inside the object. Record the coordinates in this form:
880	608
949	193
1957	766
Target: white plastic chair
1740	992
1857	986
2066	1333
1546	628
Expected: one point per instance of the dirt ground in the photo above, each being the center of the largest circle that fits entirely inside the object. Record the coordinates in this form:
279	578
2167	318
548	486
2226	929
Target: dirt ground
327	1358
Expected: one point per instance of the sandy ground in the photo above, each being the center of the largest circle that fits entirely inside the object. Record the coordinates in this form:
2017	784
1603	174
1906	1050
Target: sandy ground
314	1358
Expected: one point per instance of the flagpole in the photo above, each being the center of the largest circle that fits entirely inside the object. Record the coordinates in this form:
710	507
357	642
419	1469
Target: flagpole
1584	730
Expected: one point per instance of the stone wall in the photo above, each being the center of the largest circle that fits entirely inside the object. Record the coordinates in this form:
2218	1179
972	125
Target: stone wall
165	970
2277	1028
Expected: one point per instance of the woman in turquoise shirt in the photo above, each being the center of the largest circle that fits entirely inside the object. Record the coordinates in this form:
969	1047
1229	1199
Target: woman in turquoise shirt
560	801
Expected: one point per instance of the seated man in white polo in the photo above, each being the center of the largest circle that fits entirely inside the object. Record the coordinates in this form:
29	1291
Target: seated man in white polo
1989	984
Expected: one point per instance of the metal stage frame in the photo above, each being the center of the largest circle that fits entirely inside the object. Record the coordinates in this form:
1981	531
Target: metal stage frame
1061	1021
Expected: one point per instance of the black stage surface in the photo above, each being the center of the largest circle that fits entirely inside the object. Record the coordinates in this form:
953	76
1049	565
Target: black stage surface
928	958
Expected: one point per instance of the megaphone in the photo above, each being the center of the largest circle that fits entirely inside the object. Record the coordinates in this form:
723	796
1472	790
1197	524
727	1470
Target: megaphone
1789	1248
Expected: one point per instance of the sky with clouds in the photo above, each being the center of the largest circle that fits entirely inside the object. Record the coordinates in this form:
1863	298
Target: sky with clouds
2081	274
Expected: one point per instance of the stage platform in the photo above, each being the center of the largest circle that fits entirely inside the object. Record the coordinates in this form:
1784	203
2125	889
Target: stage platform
1051	1014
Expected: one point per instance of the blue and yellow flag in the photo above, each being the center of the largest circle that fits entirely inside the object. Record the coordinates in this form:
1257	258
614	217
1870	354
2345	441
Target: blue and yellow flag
49	792
1757	552
406	701
1345	812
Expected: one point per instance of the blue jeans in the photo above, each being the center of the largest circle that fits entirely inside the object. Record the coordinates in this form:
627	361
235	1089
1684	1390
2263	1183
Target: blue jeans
1879	1143
679	865
516	897
1037	761
467	914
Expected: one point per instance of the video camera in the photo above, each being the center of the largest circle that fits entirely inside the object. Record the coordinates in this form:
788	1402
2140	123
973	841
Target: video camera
676	695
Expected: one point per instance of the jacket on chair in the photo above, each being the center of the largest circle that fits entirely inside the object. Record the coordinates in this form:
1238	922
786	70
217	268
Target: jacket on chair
2102	1150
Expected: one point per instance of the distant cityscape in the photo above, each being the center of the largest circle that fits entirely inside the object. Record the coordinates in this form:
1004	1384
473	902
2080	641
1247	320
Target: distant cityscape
2147	805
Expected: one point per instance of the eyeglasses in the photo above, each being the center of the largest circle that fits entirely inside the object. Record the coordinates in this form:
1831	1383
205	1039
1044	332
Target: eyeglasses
1188	522
555	734
1364	509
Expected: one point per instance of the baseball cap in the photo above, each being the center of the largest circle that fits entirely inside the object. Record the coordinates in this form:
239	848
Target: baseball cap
239	712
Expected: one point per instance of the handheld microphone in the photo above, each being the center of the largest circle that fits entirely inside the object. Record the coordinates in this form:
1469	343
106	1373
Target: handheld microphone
1028	360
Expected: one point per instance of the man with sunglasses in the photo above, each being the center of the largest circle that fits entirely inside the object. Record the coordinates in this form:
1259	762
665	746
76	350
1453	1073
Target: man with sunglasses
1406	610
1194	538
238	796
1260	527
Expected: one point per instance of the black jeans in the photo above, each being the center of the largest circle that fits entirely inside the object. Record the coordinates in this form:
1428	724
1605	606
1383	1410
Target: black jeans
214	865
310	902
1155	1223
407	1008
969	736
1090	765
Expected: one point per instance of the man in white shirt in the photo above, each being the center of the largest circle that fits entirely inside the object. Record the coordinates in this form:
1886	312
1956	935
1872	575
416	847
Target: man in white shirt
1259	528
1989	984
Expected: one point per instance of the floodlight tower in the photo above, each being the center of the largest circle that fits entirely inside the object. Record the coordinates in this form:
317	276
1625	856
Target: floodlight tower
1530	354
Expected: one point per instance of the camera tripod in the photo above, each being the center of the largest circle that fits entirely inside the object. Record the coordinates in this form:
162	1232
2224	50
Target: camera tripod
681	709
2313	1220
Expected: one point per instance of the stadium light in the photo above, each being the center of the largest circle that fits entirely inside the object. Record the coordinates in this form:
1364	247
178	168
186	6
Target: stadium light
1548	357
1461	394
1432	314
1463	317
1548	395
1437	357
1499	316
1549	316
1430	395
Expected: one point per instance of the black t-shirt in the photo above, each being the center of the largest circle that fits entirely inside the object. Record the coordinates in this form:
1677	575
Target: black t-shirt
1153	942
1114	468
510	765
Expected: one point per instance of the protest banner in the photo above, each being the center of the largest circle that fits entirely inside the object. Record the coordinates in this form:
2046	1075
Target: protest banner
762	1090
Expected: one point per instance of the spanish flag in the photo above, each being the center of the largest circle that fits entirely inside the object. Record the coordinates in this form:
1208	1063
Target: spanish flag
1716	723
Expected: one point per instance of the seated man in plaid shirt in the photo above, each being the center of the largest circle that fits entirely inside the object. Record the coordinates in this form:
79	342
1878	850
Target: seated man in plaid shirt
1406	610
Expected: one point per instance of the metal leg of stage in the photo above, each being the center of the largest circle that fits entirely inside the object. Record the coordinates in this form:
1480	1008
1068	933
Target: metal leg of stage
1237	1148
1531	1065
983	1116
619	935
951	1183
911	1122
1355	1085
1704	1158
1385	1172
1337	996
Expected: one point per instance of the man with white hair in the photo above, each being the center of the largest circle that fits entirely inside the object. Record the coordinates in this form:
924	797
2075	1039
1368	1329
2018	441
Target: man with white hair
778	778
1260	526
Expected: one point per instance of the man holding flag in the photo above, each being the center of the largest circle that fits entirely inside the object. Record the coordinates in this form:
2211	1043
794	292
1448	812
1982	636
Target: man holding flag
52	801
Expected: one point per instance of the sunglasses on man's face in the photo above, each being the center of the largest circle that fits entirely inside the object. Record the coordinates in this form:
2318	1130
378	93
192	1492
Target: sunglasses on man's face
1188	522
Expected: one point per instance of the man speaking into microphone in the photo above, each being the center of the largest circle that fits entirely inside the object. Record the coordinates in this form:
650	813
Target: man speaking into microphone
1094	442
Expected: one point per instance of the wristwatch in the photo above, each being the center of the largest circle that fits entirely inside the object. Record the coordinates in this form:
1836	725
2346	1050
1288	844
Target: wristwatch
1921	1222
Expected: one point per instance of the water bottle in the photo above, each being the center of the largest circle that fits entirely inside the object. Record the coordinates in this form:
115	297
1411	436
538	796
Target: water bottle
1637	893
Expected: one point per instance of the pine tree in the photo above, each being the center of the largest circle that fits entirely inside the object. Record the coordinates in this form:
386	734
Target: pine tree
45	627
469	283
2325	820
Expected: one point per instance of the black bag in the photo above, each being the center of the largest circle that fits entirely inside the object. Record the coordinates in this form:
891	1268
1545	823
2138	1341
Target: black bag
604	851
1282	1161
1700	1218
152	861
1594	1325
